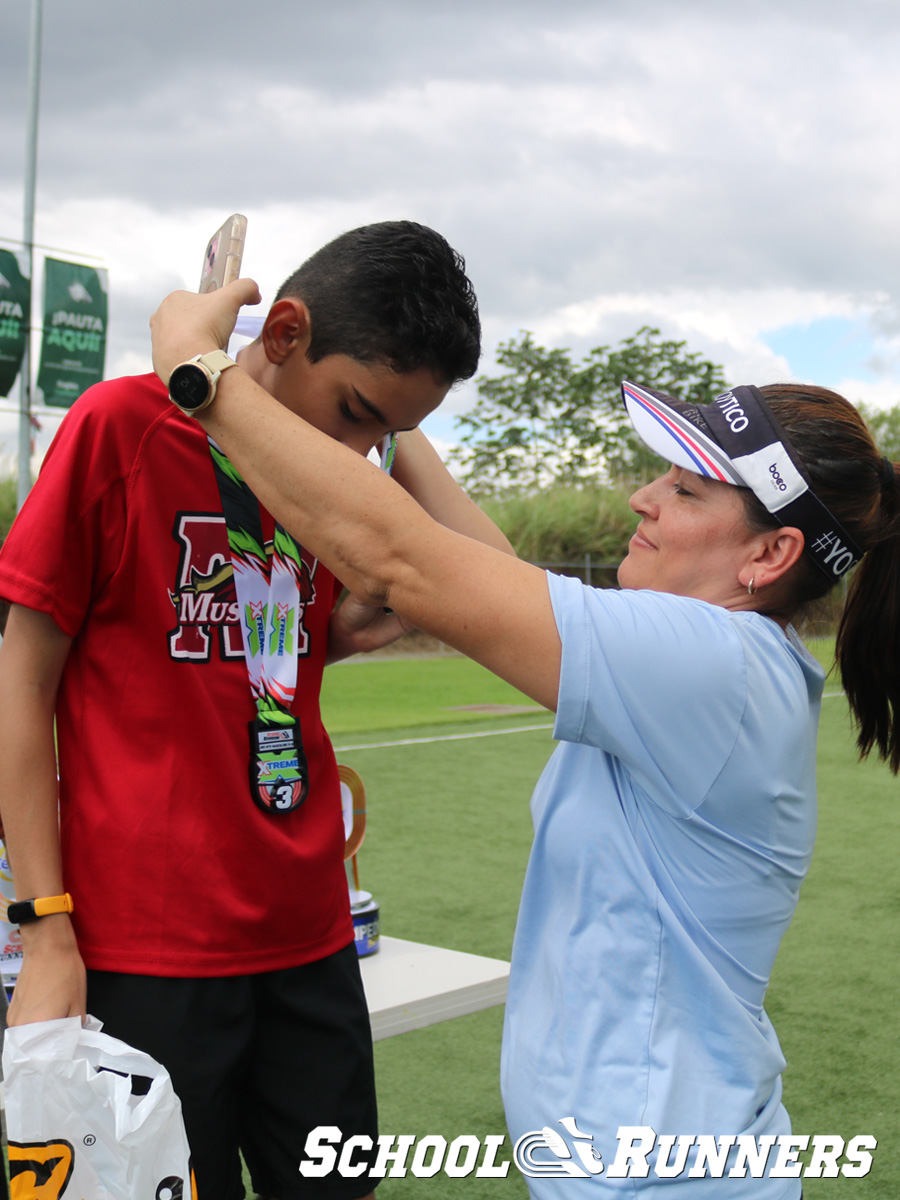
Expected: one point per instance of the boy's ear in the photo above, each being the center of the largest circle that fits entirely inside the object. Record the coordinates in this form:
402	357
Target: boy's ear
286	330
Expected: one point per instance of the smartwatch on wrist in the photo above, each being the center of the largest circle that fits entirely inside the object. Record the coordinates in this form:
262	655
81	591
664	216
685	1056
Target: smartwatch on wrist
192	385
20	912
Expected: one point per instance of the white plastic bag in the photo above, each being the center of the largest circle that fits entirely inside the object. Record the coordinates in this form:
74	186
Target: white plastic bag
75	1130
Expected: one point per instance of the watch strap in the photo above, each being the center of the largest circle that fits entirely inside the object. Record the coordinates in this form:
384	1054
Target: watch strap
20	912
216	361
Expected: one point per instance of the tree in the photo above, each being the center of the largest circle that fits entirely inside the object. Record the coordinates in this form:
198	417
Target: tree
885	426
548	420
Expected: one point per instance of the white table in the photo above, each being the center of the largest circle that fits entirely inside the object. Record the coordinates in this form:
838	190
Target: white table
410	985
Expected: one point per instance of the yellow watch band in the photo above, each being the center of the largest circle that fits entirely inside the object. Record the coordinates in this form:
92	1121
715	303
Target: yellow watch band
20	912
53	904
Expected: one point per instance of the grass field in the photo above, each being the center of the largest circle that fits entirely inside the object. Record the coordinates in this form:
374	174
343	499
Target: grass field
447	842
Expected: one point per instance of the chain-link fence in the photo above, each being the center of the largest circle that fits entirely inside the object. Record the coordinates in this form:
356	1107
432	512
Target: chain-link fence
589	570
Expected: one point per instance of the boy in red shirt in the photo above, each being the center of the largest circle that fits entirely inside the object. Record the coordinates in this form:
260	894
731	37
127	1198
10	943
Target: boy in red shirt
210	929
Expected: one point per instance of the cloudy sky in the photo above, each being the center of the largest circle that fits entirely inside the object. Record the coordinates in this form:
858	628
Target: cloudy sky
729	173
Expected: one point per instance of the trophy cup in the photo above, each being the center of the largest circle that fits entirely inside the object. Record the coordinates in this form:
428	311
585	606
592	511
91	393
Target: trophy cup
363	908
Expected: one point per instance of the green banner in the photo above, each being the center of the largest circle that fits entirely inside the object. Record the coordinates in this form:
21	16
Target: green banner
74	342
15	313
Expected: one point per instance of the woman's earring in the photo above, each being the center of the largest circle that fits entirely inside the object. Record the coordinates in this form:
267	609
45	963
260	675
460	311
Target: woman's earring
750	588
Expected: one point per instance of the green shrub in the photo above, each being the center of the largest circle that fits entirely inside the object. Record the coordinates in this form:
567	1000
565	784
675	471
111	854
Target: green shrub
564	524
7	505
8	498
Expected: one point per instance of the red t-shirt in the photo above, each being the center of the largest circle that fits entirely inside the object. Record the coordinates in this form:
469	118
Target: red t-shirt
173	868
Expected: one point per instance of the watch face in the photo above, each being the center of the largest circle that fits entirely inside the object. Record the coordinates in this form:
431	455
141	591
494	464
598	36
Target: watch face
189	386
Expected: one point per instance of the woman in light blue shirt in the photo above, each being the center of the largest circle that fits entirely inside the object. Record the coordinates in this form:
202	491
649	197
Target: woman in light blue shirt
675	822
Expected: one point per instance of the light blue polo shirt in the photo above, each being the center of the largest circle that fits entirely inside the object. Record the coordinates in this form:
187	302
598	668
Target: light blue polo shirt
673	828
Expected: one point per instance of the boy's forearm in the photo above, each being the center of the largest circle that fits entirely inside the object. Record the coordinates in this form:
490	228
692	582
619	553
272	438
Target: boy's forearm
52	980
29	800
419	470
29	677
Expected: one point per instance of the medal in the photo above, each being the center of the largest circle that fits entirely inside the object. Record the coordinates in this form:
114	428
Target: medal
279	775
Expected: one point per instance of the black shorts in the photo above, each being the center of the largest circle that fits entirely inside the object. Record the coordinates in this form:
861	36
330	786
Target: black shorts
258	1061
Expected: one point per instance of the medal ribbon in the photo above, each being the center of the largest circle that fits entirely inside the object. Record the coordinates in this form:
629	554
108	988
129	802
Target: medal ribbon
268	596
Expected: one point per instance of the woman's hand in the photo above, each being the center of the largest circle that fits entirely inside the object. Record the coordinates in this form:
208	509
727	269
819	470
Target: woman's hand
187	323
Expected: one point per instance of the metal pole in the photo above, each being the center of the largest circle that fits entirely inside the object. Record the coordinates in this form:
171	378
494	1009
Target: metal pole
34	89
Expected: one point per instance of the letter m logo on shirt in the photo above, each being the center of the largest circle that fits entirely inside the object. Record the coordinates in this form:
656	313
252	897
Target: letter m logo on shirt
203	594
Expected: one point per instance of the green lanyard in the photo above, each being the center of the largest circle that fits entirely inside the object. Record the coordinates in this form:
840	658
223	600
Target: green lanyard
269	597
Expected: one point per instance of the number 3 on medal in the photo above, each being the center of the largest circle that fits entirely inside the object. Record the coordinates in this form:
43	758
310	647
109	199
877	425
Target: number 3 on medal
284	795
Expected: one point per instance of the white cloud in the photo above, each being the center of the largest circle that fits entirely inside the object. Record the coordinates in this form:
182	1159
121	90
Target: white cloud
882	394
726	325
719	171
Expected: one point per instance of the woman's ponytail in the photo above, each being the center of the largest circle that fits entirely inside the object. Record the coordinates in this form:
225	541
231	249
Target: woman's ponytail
862	489
868	639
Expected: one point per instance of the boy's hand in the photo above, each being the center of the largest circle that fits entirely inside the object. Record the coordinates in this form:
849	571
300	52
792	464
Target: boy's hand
360	628
187	323
51	983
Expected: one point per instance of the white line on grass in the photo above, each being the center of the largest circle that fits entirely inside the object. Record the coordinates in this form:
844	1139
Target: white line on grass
447	737
458	737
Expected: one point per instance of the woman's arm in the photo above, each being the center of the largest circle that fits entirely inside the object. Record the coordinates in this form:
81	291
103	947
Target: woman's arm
357	628
365	528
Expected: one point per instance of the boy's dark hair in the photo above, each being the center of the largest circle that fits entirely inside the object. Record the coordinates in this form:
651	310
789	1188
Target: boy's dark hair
395	292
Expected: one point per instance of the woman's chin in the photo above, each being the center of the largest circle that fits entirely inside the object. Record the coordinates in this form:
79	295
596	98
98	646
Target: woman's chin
627	575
